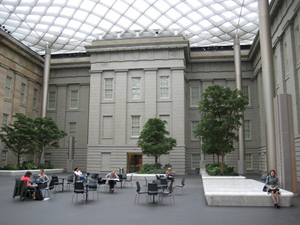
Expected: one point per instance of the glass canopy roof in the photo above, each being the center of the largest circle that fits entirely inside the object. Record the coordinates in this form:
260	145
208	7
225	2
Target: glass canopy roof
68	25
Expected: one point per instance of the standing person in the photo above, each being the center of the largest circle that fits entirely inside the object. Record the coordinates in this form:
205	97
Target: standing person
78	173
43	179
272	183
29	186
170	174
112	182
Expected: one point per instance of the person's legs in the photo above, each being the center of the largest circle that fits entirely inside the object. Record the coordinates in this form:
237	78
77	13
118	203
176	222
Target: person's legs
273	197
33	189
277	198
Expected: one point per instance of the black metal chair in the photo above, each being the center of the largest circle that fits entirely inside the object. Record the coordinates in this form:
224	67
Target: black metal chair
93	187
152	190
146	184
70	181
139	192
57	182
182	185
78	189
94	176
169	192
128	181
164	183
49	188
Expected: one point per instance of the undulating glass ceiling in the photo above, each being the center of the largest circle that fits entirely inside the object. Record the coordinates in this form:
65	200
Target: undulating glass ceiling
68	25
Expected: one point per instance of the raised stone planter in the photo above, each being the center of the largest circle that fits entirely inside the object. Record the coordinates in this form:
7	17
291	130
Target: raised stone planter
11	173
234	191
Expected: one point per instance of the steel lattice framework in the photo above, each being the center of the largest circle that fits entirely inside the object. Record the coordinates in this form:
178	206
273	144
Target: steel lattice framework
68	25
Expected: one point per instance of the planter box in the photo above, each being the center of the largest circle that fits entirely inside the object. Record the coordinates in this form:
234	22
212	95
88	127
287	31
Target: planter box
11	173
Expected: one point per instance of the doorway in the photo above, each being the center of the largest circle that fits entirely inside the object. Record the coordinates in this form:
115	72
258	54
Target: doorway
134	162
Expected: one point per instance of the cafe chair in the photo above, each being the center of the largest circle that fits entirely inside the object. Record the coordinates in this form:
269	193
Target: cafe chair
94	176
152	190
70	181
78	189
182	185
49	189
93	187
139	192
169	193
146	184
128	181
21	190
102	182
57	182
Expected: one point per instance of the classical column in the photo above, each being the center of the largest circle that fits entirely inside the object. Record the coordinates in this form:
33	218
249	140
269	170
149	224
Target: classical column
239	86
268	83
46	79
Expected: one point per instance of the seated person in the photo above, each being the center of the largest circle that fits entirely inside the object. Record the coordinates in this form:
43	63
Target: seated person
43	179
112	183
29	186
170	174
78	173
272	183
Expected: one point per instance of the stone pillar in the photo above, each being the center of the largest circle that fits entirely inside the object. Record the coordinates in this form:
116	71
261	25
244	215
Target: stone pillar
46	80
239	86
268	82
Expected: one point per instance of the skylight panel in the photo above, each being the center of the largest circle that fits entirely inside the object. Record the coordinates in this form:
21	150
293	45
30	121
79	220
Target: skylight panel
86	28
216	19
87	6
55	30
182	8
53	11
33	18
173	14
184	22
68	33
132	14
74	3
124	22
80	36
93	20
120	7
61	22
60	3
205	24
162	6
205	12
39	10
144	21
217	8
108	3
49	37
80	15
163	20
104	24
67	12
140	6
22	9
152	13
6	8
195	29
112	16
228	15
62	40
47	20
74	25
194	3
195	17
135	27
100	10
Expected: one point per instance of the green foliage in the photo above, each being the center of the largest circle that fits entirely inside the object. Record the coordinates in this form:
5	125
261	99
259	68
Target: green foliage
28	165
150	169
18	137
46	165
221	111
9	167
153	140
214	169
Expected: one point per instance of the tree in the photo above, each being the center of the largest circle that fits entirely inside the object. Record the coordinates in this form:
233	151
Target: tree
153	140
46	133
221	111
18	136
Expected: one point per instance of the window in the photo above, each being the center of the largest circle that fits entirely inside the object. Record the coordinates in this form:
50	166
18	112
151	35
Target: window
195	97
35	92
248	161
108	89
193	126
135	126
7	87
74	100
247	129
72	129
136	88
246	92
52	100
195	161
5	120
164	87
22	96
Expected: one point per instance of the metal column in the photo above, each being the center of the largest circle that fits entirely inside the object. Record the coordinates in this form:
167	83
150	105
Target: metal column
46	79
238	76
268	82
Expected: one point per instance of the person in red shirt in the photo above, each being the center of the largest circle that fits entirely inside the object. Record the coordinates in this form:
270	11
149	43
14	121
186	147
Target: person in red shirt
29	186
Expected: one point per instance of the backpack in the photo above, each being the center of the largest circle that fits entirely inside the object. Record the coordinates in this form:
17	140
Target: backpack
38	194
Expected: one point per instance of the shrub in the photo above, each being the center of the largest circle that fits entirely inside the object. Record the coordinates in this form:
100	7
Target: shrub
46	165
150	169
28	165
214	169
10	167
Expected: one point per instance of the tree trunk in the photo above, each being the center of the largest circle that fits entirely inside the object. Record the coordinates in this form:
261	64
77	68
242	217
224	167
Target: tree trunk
218	159
155	161
222	165
40	157
18	161
213	158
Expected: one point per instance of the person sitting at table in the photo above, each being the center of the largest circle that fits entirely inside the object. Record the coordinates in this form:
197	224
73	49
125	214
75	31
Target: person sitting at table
170	174
29	186
43	179
111	183
78	173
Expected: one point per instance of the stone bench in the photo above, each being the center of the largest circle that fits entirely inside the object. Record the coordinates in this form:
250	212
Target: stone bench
238	191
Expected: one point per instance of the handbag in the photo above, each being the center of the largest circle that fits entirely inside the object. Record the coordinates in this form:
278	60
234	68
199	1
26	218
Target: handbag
265	188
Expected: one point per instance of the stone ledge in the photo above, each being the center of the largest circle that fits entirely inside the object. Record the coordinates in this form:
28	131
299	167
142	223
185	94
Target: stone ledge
220	191
11	173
